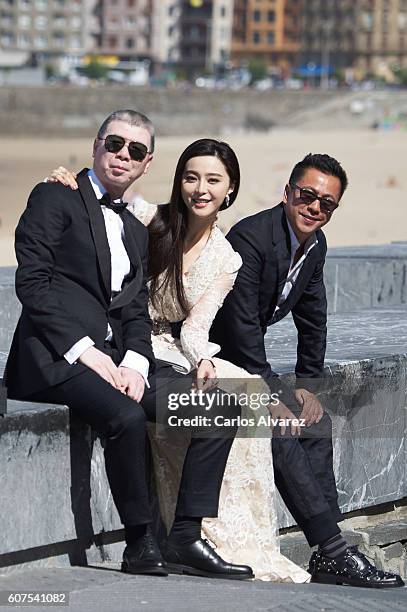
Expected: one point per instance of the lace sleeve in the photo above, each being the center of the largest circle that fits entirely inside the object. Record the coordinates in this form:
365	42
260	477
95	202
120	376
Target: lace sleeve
142	210
195	329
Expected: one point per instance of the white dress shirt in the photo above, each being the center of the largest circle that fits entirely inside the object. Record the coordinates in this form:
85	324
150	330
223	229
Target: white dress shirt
294	270
120	266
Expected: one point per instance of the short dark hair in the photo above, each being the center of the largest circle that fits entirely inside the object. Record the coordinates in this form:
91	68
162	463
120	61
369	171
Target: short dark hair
322	162
131	117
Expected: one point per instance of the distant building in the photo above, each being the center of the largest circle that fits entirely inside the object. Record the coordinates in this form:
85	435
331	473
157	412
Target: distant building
125	28
192	35
366	35
328	34
312	37
46	28
267	30
381	36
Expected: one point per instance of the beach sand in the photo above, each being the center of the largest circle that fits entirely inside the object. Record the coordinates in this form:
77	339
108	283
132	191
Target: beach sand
373	210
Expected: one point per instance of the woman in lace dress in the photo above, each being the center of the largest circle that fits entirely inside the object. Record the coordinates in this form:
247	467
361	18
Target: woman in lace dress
192	269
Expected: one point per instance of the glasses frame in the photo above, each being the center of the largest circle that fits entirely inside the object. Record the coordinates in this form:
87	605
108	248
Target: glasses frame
327	206
131	145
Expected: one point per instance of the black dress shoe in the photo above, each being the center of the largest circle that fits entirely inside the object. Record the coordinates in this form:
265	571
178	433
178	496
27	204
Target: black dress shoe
200	559
144	557
352	568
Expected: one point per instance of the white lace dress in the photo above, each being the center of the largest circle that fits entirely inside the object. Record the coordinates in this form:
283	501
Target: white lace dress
246	530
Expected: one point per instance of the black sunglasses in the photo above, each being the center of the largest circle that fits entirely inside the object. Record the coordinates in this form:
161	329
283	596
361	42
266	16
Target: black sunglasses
308	197
114	144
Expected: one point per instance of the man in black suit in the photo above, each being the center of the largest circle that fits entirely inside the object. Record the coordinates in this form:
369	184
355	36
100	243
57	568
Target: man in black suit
84	339
283	252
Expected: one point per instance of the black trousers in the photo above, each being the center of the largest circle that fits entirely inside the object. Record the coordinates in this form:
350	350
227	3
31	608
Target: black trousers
122	422
304	476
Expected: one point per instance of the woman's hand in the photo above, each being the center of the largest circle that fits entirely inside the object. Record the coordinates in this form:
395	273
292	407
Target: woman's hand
64	176
206	375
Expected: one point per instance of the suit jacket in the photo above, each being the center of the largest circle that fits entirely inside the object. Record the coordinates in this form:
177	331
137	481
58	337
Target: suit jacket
263	242
63	281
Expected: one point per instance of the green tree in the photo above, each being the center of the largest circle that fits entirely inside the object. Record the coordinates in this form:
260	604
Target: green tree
258	69
95	70
50	71
401	74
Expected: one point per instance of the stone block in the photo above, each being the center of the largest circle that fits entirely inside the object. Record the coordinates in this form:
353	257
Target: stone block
365	394
366	277
295	547
10	307
381	535
394	551
55	493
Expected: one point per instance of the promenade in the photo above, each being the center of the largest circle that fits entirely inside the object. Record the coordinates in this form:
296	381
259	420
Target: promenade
106	590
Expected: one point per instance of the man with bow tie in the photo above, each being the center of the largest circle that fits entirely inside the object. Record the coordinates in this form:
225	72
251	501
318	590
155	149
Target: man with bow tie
84	340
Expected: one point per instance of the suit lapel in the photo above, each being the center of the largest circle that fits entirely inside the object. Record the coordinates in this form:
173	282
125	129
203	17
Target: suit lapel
130	243
98	229
301	282
282	245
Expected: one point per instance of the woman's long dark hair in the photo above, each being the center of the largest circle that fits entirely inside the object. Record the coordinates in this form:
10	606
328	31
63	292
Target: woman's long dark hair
168	228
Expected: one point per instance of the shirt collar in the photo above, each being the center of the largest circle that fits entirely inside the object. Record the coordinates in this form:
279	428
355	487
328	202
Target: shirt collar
310	243
96	184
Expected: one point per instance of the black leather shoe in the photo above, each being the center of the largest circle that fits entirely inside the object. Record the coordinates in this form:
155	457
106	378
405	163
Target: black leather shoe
352	568
200	559
144	557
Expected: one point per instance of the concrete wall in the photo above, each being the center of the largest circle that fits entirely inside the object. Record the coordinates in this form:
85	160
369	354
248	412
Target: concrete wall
54	492
74	111
60	111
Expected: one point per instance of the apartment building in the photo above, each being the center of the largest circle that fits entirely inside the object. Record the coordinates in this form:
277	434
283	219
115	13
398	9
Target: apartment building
381	36
329	34
369	36
192	34
47	27
125	28
268	30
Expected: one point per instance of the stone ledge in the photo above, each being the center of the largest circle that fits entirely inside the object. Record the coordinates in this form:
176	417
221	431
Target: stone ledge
54	467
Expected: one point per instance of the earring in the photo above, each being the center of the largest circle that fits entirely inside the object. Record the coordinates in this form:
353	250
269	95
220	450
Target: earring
226	202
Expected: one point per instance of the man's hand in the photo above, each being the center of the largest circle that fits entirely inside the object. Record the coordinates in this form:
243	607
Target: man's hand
103	365
206	375
133	383
312	411
280	411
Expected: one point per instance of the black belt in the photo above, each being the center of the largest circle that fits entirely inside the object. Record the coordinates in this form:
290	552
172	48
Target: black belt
176	329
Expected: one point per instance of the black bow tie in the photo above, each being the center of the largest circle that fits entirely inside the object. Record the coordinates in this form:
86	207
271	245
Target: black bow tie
118	207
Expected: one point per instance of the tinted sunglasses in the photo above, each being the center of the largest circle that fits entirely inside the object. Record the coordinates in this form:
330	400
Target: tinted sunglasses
308	197
114	144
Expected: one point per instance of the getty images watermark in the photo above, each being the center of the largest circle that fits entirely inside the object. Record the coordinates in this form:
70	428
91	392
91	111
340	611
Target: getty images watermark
210	403
235	407
336	406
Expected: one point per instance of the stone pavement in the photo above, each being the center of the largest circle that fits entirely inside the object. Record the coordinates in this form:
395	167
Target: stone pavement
106	590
